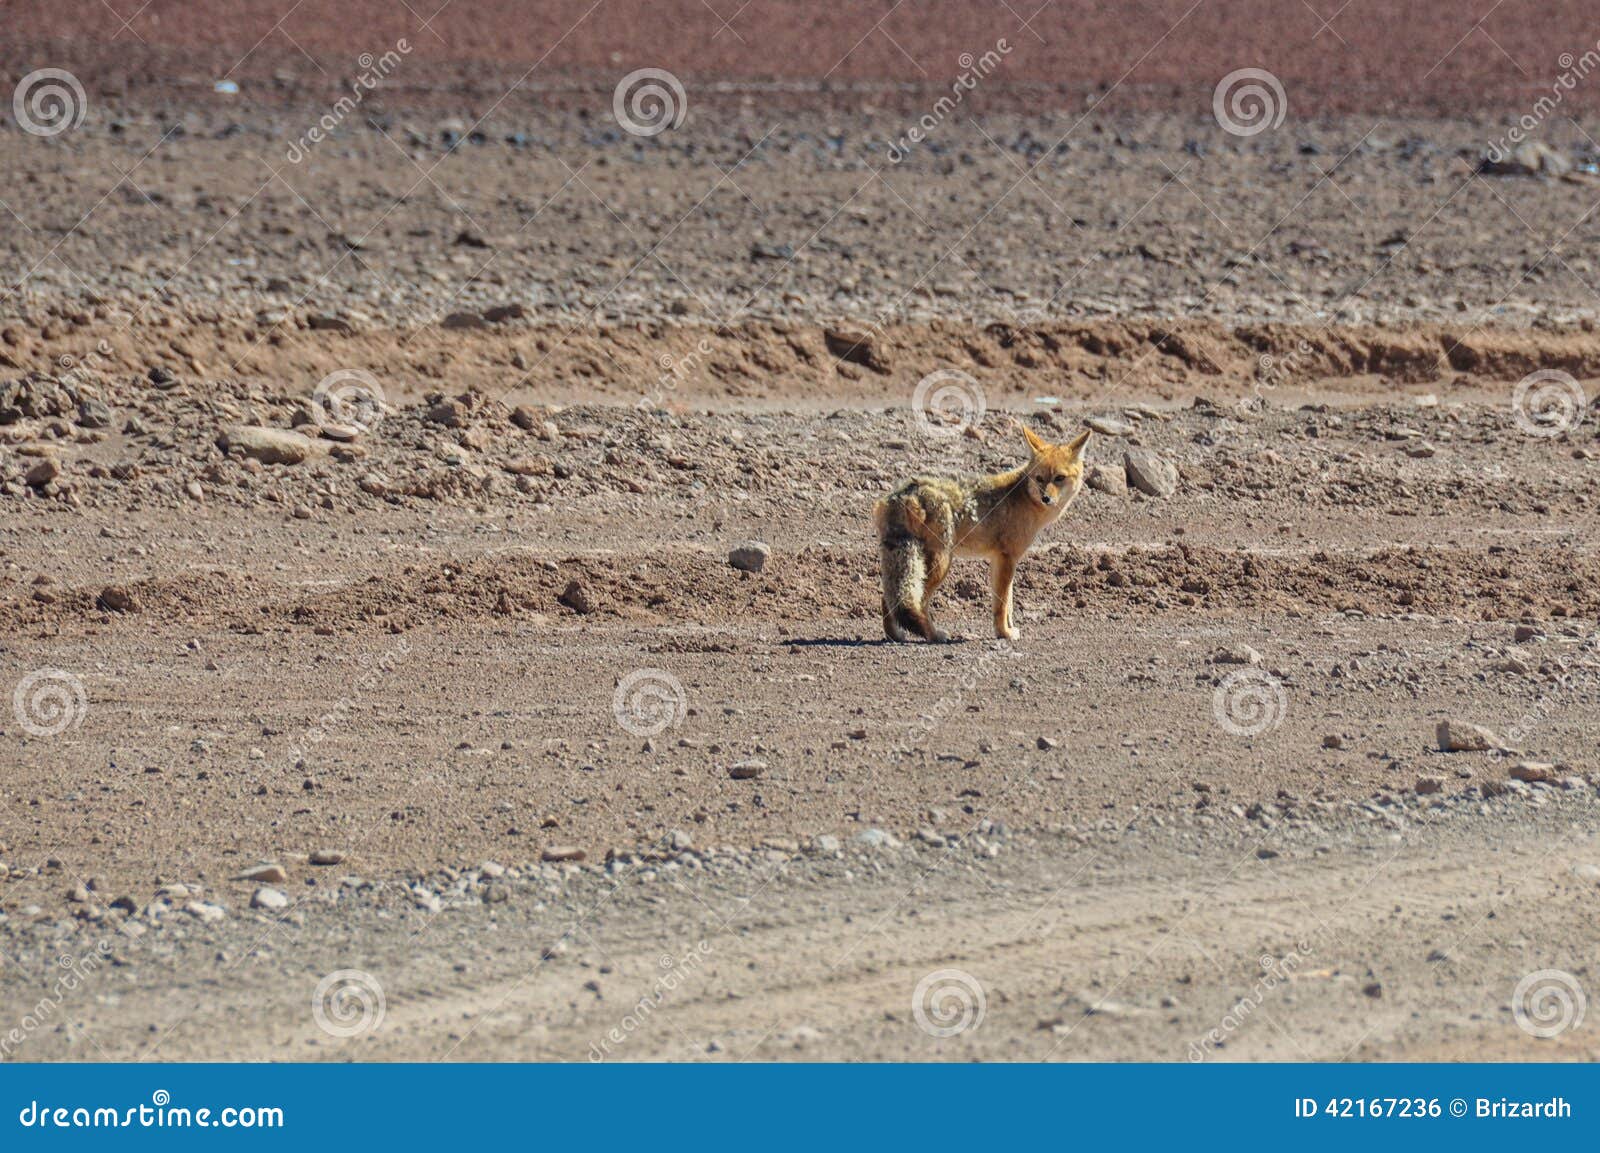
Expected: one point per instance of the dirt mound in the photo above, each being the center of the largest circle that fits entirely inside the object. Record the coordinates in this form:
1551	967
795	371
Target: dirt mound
817	584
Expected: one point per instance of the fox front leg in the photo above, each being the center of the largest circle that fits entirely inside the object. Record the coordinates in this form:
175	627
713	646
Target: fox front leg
1004	570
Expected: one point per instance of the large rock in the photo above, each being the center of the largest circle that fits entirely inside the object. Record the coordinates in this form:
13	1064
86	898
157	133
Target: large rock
269	445
1149	473
751	556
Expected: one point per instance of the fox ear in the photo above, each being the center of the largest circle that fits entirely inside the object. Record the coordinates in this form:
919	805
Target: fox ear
1075	446
1037	444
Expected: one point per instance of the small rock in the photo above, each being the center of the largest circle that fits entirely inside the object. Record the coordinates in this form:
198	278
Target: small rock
268	445
264	874
1456	736
1428	785
327	857
747	770
265	898
680	841
577	598
116	599
1111	481
1149	473
1333	741
450	413
825	843
1238	655
856	347
1533	772
205	911
465	320
556	853
42	473
751	556
1045	744
1109	426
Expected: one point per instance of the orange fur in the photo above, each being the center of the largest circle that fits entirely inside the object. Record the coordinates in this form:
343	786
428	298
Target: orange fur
928	521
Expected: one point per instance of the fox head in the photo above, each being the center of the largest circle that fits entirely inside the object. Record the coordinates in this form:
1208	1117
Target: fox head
1055	473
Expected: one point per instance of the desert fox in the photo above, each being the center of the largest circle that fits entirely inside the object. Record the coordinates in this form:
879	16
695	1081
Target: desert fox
928	521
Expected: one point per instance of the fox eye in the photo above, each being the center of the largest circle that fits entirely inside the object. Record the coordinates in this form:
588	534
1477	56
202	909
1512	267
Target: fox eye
1061	479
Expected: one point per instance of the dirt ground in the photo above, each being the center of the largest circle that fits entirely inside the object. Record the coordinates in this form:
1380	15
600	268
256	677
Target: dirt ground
378	682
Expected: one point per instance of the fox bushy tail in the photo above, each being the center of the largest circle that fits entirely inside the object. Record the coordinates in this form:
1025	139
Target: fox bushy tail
904	579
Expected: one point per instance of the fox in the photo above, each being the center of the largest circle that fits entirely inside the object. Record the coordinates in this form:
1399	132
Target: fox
930	520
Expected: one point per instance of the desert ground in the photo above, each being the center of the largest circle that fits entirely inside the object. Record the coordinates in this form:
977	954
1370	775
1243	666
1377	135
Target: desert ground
439	607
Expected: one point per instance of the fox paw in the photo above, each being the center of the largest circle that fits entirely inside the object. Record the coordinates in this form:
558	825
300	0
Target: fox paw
938	636
1006	633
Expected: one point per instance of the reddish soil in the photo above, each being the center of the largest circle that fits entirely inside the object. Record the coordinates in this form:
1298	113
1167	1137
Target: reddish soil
1434	56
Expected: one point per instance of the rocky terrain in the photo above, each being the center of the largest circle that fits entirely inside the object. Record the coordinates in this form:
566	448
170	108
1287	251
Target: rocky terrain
439	610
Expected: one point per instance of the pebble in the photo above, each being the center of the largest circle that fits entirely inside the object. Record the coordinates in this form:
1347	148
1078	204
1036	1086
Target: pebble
556	853
747	770
327	857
